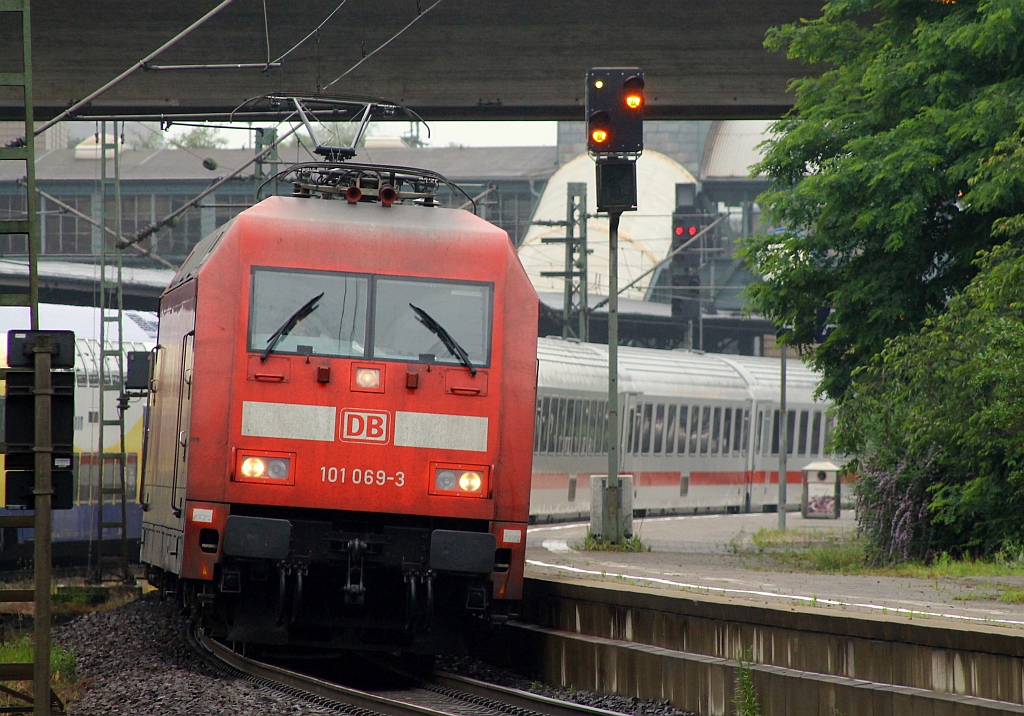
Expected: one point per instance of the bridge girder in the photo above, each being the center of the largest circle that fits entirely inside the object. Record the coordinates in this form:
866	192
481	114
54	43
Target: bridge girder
466	59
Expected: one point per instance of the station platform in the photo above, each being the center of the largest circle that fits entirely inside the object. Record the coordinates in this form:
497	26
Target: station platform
715	555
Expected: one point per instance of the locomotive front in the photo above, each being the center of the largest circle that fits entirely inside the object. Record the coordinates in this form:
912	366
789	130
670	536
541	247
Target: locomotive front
341	436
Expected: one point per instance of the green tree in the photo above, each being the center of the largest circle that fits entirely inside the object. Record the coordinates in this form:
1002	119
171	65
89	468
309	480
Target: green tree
200	138
938	420
891	170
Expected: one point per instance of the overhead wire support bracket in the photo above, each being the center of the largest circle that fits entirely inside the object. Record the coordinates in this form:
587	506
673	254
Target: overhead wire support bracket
222	66
141	64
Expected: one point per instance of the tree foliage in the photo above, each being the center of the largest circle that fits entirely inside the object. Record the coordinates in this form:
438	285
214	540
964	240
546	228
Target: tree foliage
200	138
892	171
938	418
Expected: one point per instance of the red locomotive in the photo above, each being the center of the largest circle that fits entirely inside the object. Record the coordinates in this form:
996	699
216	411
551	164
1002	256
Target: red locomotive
340	441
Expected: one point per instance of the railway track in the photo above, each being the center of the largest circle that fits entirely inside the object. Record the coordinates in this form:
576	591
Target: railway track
442	694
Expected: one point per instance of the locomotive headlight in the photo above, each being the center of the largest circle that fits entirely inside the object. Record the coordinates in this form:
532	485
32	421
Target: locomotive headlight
445	480
254	467
265	467
368	377
457	480
470	481
277	468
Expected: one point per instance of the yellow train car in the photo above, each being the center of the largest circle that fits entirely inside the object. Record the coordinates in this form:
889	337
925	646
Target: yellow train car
75	531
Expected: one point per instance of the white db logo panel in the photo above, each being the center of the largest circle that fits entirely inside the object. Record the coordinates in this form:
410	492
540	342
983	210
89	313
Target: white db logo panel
372	426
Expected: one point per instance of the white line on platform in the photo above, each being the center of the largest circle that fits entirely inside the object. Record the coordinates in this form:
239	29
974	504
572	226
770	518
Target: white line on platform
556	527
556	545
778	595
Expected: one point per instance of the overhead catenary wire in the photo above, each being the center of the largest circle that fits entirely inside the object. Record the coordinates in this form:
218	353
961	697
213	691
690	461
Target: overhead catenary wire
382	46
668	258
157	225
301	42
106	229
141	64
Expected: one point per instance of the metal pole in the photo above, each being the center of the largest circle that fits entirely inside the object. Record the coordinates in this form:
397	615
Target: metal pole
35	241
581	264
783	436
43	489
613	502
141	64
570	269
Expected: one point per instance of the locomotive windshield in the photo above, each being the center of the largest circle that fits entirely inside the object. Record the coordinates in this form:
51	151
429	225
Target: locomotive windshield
462	309
337	326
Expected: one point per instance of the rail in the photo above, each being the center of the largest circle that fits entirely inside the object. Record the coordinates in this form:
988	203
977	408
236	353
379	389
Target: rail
442	694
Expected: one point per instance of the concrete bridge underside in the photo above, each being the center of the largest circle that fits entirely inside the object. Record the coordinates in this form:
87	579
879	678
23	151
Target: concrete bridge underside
465	59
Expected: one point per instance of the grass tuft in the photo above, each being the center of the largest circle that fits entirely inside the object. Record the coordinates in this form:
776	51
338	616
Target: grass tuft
592	543
744	693
20	651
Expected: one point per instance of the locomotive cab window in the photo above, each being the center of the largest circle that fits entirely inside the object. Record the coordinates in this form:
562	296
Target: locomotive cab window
460	309
286	302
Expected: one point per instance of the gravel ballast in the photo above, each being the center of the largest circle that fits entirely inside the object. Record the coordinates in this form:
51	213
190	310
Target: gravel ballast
135	660
476	669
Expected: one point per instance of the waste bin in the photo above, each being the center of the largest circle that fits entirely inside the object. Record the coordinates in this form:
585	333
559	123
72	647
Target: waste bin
820	495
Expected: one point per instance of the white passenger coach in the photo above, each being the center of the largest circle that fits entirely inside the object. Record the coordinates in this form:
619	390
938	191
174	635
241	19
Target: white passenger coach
699	431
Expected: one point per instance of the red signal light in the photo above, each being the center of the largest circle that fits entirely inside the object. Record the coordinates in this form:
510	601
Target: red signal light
692	231
679	231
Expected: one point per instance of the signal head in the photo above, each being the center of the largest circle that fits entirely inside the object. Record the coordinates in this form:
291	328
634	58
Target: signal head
633	92
614	104
598	132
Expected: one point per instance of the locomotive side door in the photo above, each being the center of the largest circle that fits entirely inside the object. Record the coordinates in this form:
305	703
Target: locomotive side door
180	479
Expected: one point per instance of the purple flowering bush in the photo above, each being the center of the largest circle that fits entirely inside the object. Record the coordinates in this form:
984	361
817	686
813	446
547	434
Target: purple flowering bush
937	420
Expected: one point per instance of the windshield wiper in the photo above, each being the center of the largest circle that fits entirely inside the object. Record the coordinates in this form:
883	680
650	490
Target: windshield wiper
450	343
287	326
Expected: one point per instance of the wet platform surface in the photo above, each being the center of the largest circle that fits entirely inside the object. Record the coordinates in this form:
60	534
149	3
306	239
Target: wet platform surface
716	555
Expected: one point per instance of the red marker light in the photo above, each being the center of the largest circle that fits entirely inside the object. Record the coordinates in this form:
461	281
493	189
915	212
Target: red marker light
692	231
679	231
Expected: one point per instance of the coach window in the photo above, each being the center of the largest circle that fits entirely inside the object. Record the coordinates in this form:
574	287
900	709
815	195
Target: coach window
684	411
537	423
746	432
775	433
816	433
705	430
694	428
670	431
594	441
726	431
790	431
559	432
803	433
552	425
602	432
544	423
645	447
462	309
659	428
336	327
716	431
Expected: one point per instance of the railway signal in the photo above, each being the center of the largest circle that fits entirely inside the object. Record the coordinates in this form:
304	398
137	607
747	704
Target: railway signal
615	103
20	420
615	138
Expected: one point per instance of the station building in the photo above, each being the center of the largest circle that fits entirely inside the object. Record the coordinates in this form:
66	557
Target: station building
508	184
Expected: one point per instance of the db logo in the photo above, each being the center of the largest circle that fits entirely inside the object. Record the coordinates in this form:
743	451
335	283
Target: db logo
365	425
